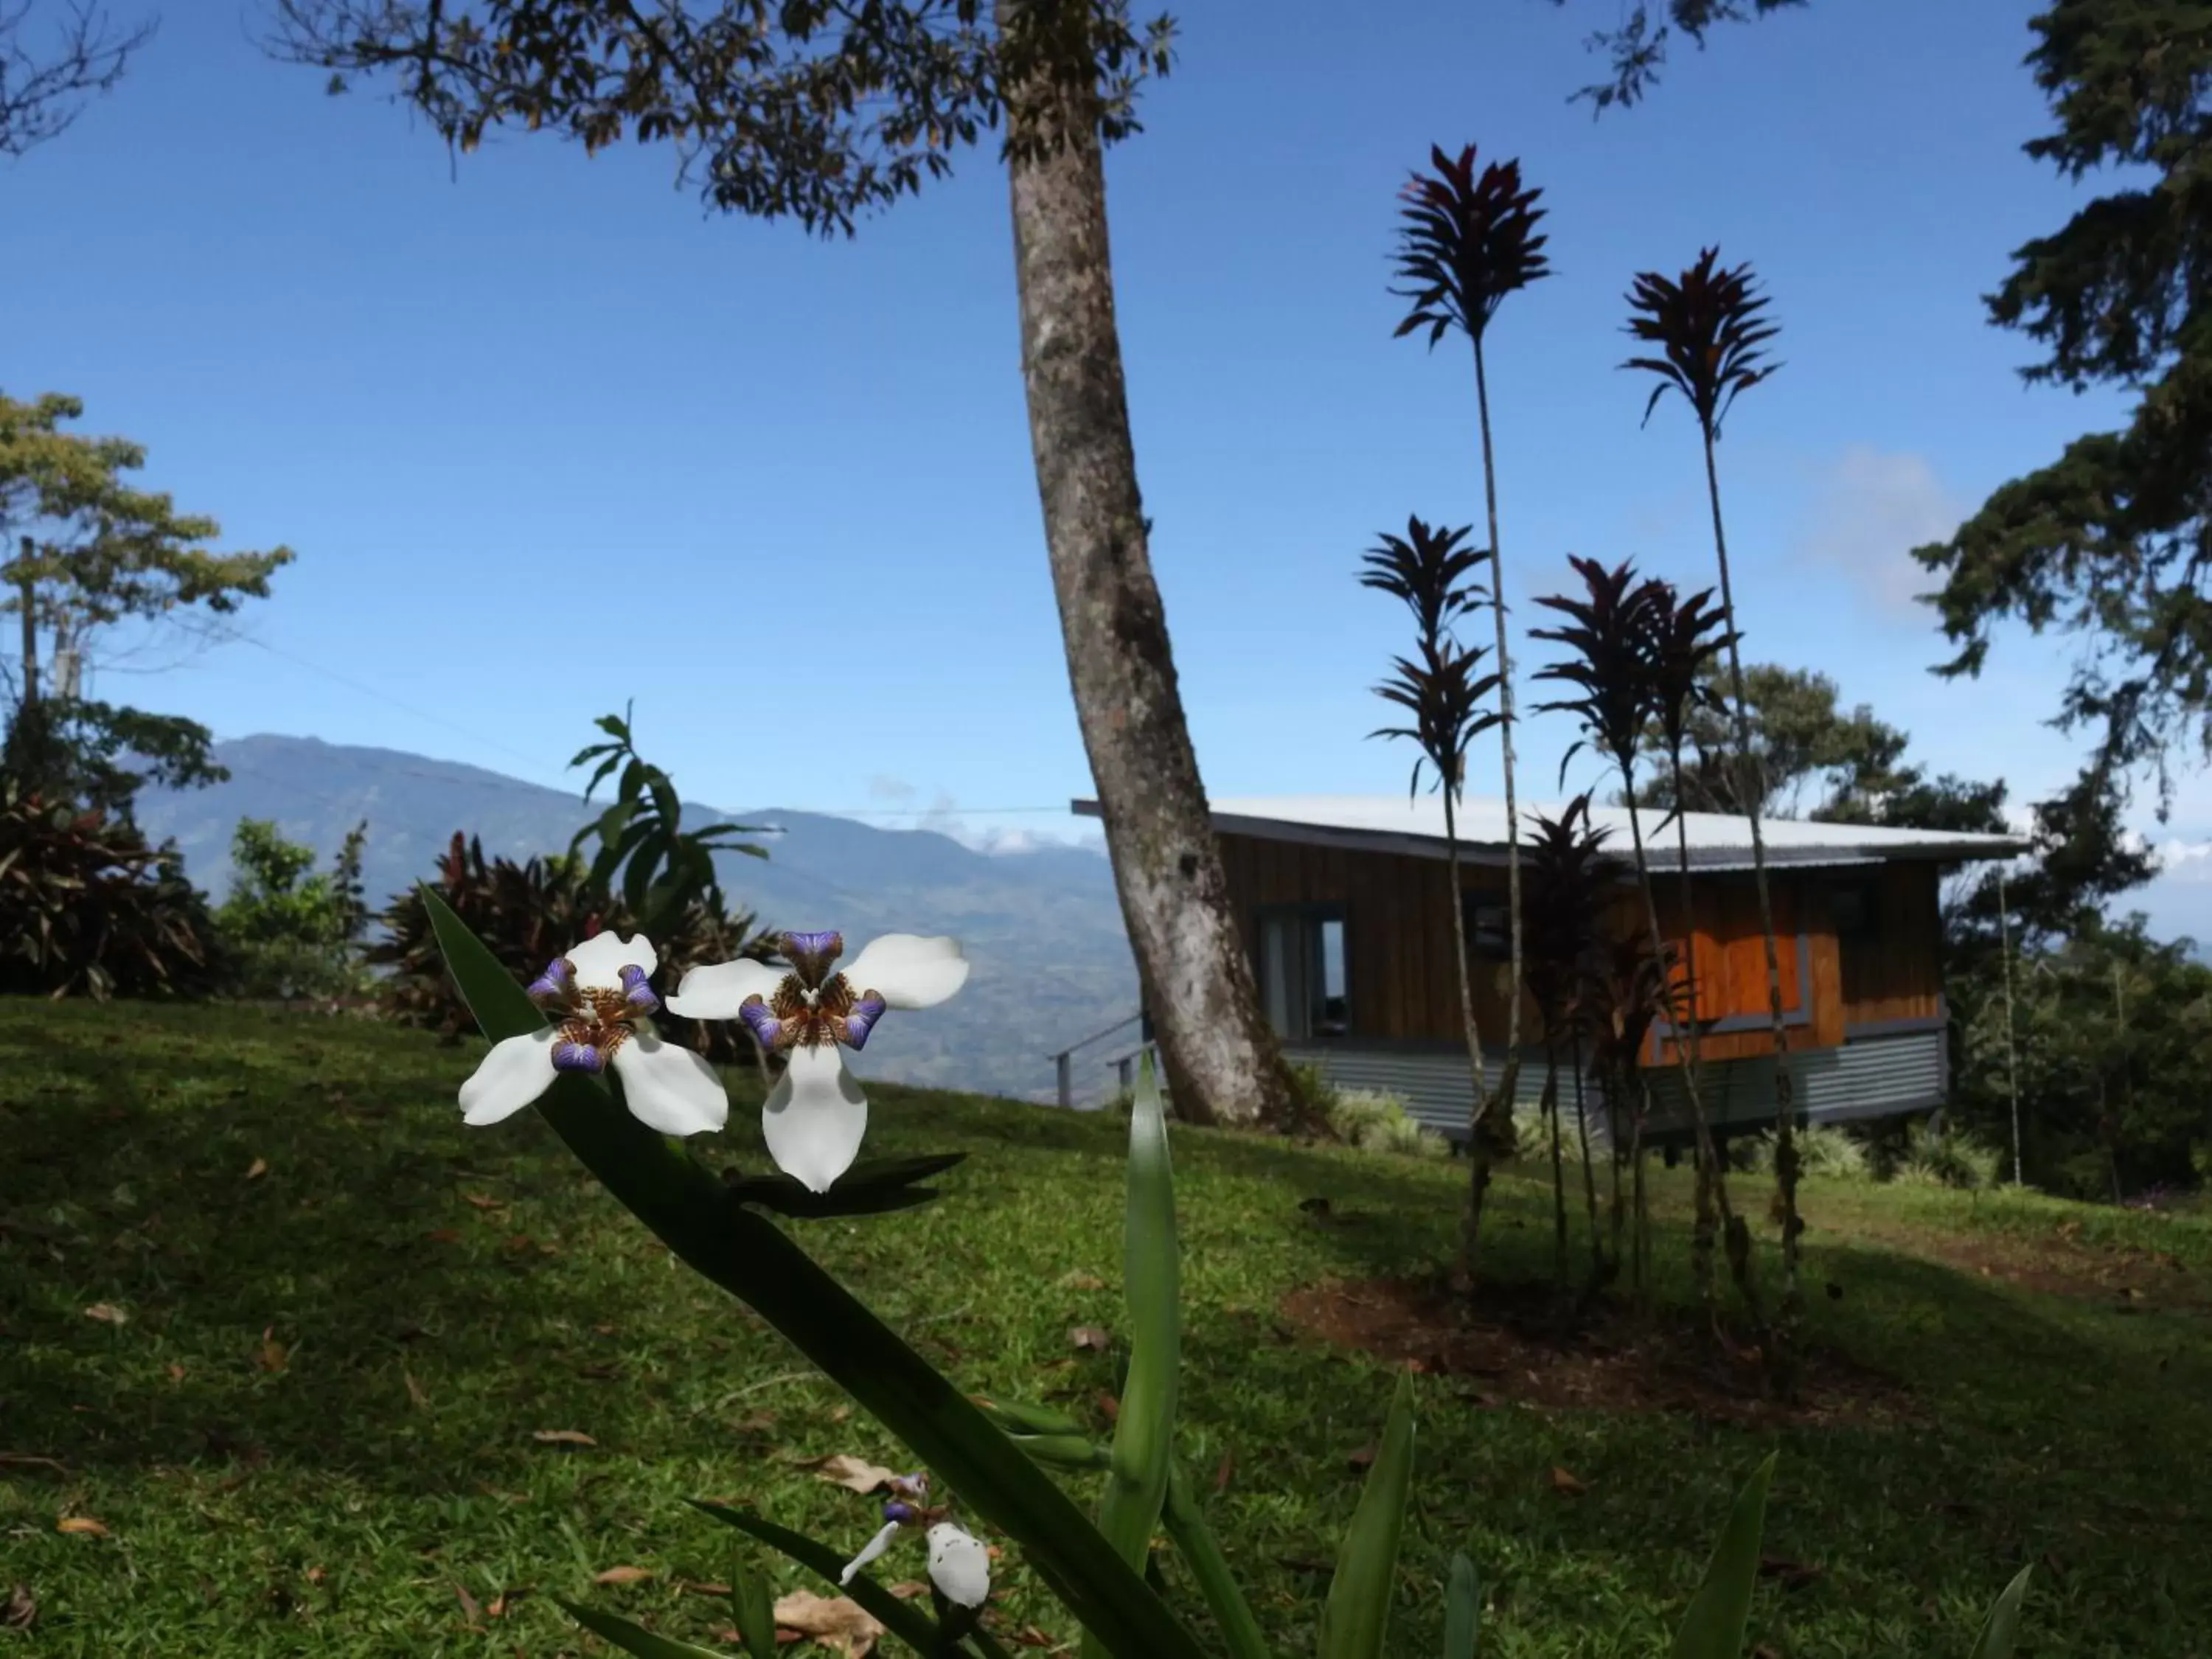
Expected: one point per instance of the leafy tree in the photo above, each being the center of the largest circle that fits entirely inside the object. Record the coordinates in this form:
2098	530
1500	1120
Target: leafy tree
2111	543
45	79
1803	744
293	932
92	552
1638	43
820	111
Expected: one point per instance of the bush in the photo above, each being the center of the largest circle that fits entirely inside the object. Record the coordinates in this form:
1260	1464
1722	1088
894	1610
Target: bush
88	908
291	932
1825	1150
1532	1136
1375	1120
1947	1158
528	914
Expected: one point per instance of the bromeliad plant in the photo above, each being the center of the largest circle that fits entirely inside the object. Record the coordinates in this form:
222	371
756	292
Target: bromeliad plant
577	1044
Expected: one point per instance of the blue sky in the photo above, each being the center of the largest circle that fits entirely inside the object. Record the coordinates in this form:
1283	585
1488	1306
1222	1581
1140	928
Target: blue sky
546	437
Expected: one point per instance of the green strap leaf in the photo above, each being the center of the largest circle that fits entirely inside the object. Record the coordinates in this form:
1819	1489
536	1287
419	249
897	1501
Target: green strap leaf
1018	1417
1713	1627
2002	1629
1357	1615
633	1639
747	1254
1186	1526
1462	1610
1144	1428
910	1624
752	1609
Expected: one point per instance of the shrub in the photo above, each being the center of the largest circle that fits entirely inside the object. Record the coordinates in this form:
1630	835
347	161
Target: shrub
1947	1158
88	908
1532	1135
1825	1150
1375	1120
527	914
290	931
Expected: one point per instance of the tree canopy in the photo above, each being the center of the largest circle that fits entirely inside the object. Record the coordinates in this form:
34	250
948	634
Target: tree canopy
46	75
90	551
2111	543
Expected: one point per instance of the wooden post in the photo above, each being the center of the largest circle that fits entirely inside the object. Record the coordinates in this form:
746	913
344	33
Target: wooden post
2012	1055
1067	1080
1126	1070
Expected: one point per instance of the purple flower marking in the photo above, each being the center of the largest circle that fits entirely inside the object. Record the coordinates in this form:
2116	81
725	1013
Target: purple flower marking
810	955
556	986
636	994
898	1514
861	1019
762	1025
570	1055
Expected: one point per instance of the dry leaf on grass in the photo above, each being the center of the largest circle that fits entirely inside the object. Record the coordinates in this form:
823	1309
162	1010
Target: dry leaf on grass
853	1473
271	1355
81	1523
1565	1483
562	1438
258	1168
622	1575
19	1611
1090	1337
445	1235
1225	1471
415	1390
482	1202
1080	1280
842	1626
1363	1459
908	1590
107	1313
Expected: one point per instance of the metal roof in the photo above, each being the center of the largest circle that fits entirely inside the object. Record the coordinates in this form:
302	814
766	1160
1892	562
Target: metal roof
1415	826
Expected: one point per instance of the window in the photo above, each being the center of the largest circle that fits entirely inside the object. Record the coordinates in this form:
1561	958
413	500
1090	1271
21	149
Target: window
1851	905
1489	928
1302	973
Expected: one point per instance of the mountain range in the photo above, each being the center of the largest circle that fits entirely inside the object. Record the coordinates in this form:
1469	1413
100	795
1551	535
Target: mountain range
1043	927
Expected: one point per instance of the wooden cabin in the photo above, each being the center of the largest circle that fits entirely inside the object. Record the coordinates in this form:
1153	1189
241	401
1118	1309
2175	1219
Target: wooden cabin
1343	902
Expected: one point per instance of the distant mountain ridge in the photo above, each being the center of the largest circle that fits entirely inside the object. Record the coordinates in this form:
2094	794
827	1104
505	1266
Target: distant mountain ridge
1043	926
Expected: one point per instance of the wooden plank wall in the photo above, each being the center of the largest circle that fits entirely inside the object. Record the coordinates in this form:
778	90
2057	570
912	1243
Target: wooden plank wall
1398	943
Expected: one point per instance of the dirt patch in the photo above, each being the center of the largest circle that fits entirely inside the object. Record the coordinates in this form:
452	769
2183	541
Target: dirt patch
1515	1346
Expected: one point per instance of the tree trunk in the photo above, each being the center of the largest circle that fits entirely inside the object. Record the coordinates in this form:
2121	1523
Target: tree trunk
1480	1132
1785	1104
1166	865
1509	1078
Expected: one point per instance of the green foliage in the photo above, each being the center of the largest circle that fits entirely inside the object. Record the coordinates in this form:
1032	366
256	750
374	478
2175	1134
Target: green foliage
1356	1618
808	110
526	914
291	932
1713	1627
89	551
2106	543
86	908
1375	1120
1637	42
660	869
1827	1150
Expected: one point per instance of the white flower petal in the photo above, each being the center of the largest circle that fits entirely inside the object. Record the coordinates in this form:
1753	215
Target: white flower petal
869	1551
909	971
599	960
516	1072
959	1565
670	1088
814	1117
716	991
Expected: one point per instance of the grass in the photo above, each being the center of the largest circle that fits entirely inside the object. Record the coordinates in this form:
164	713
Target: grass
347	1318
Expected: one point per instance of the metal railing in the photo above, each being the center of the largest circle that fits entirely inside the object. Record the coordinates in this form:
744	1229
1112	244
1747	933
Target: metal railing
1124	1065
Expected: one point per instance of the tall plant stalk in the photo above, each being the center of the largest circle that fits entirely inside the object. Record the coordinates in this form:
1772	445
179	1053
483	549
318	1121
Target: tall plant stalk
1430	570
1709	328
1466	242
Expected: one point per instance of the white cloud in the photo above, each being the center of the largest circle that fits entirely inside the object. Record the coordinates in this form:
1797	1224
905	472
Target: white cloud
944	817
2186	860
1868	511
883	787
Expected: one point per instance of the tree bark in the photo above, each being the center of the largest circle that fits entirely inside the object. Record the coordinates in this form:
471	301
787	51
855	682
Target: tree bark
1167	863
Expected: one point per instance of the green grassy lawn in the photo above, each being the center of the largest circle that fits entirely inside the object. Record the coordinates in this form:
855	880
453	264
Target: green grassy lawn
345	1320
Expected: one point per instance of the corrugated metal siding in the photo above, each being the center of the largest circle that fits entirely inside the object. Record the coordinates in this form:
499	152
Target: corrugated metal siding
1435	1085
1875	1076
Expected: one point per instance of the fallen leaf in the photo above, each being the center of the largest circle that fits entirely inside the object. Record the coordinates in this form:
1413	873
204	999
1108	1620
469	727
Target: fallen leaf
562	1438
1091	1337
176	1372
316	1574
258	1168
838	1414
107	1313
1361	1460
445	1235
1029	1635
271	1356
482	1202
1791	1575
1110	1407
1565	1483
19	1611
81	1523
691	1589
622	1575
415	1390
1081	1281
853	1473
1225	1470
754	1423
842	1626
468	1603
907	1589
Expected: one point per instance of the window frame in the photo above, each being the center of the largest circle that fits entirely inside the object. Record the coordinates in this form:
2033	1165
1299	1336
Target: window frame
1314	918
